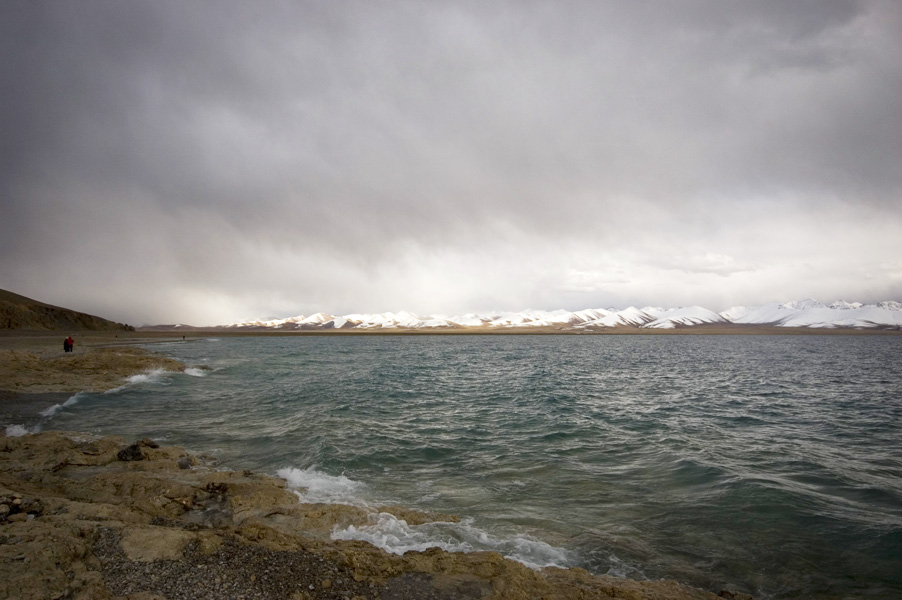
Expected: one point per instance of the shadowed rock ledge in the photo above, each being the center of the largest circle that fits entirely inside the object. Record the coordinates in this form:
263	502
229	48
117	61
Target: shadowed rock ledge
84	517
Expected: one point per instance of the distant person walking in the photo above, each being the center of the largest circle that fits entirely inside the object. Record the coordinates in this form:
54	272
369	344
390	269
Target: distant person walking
68	344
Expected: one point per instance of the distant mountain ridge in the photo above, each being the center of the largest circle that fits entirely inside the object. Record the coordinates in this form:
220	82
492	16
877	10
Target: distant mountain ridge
798	313
19	312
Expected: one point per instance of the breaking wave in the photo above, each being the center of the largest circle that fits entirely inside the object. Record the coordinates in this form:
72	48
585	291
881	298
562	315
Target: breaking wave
51	411
395	535
313	486
154	376
18	430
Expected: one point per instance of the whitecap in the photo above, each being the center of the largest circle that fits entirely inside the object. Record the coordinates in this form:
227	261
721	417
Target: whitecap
149	377
154	376
196	372
16	430
395	535
51	411
314	486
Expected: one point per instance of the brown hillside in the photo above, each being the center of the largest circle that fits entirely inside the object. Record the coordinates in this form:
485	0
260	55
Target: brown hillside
19	312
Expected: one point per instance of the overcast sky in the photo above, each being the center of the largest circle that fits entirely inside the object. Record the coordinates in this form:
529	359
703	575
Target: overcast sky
203	162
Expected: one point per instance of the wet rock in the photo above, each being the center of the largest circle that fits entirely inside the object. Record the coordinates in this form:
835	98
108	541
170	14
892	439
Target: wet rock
130	453
216	488
148	529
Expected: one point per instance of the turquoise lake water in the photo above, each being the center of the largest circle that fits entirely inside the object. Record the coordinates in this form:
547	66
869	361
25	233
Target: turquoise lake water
765	464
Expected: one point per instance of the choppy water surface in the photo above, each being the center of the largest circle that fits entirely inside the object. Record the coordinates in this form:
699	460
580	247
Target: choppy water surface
767	464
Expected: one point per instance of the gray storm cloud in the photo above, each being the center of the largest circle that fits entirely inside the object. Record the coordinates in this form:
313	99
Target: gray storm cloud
200	162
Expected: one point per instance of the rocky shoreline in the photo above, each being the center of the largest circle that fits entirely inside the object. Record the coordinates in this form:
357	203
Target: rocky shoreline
84	517
101	518
38	371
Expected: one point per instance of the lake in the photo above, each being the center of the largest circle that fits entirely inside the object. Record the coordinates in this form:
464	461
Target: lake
766	464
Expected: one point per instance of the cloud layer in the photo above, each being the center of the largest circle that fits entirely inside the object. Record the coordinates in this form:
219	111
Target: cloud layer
204	162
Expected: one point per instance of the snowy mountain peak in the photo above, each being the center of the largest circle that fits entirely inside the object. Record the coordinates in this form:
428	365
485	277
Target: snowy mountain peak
689	315
318	318
843	305
735	312
806	304
797	313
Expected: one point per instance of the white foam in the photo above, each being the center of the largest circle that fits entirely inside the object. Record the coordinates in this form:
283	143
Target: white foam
622	569
49	412
314	486
154	376
148	377
195	372
16	430
396	536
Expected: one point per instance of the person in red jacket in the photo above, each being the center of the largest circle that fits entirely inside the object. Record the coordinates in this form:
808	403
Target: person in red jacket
68	344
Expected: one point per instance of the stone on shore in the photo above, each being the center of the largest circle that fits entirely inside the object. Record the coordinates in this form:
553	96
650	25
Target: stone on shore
79	521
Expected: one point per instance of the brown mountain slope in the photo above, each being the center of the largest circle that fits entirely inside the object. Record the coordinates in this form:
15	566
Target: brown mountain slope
19	312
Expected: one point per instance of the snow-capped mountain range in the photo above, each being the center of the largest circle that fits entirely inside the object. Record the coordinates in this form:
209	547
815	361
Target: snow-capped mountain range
798	313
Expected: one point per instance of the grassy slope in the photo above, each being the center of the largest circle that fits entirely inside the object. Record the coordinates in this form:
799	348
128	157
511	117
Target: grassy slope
21	313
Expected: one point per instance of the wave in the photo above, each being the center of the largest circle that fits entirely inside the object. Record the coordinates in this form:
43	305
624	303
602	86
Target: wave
154	376
18	430
51	411
313	486
395	535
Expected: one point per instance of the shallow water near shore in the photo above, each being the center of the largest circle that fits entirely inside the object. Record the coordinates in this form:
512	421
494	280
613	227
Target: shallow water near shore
765	464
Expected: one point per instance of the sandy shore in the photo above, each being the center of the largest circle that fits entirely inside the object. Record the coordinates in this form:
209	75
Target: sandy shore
83	517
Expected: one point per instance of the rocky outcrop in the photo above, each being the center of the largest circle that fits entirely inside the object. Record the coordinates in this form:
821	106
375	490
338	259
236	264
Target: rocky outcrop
82	518
91	370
